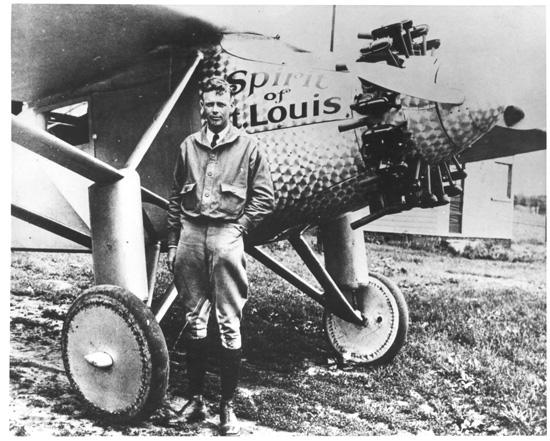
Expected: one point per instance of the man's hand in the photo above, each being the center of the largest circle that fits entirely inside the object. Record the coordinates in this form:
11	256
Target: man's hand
171	258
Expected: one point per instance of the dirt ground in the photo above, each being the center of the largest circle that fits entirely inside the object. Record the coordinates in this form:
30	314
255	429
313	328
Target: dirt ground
287	365
41	400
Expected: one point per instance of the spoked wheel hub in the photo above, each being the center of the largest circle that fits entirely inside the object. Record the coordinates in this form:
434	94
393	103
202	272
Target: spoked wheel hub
385	317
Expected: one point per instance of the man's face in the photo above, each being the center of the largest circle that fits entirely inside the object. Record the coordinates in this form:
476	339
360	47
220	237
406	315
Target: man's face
217	109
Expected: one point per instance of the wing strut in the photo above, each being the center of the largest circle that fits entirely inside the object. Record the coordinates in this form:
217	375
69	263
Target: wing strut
52	225
160	118
50	147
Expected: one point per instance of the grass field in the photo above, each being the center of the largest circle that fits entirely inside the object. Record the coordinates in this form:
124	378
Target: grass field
529	228
474	362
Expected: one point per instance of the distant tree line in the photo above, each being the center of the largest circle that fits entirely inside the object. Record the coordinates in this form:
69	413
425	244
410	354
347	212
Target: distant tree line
536	204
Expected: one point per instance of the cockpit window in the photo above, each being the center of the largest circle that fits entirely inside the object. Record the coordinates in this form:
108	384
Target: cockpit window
69	123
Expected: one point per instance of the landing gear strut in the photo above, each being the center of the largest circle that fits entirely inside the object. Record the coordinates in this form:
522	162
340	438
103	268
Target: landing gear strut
379	301
366	316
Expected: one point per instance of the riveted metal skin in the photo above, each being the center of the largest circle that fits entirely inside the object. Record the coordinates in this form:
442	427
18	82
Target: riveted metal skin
294	111
469	122
313	180
441	131
431	141
317	172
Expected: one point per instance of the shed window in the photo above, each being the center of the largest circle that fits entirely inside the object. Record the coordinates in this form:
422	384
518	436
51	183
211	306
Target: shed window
504	179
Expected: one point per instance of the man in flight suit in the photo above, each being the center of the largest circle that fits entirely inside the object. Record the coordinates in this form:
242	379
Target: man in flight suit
222	190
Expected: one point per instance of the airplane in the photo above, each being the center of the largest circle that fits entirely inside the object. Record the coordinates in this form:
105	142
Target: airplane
384	130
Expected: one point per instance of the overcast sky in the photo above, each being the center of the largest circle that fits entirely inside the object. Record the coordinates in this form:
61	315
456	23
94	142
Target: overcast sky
482	36
515	35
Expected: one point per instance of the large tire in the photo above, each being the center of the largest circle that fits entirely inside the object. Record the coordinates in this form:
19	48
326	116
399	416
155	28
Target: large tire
110	320
386	329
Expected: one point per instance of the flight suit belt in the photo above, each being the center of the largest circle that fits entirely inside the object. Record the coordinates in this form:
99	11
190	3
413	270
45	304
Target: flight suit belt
205	220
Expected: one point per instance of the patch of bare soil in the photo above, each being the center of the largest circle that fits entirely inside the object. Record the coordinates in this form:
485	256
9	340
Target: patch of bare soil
41	399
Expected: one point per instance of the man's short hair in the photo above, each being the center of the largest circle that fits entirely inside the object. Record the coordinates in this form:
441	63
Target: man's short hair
218	85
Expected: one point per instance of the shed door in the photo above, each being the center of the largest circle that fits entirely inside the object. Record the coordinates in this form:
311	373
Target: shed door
457	209
455	220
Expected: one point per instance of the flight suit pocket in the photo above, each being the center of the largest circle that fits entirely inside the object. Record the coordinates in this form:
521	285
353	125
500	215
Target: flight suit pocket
233	199
189	199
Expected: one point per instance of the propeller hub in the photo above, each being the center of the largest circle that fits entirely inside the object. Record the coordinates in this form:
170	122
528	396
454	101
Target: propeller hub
513	115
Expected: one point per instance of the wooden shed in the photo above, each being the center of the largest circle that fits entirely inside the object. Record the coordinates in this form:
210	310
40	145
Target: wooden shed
485	210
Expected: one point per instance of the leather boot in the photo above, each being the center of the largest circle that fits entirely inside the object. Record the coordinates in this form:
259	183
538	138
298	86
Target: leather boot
230	366
229	424
229	375
193	411
196	361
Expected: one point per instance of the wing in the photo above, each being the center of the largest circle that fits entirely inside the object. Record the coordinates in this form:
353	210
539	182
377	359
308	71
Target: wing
58	49
63	52
501	142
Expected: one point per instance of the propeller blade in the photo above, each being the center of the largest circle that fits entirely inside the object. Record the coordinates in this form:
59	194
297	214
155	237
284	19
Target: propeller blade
408	82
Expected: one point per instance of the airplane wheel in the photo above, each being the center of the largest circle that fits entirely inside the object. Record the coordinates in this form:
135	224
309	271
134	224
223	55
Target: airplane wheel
387	321
115	354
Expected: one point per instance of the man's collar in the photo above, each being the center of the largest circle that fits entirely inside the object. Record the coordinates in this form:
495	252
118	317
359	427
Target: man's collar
210	133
